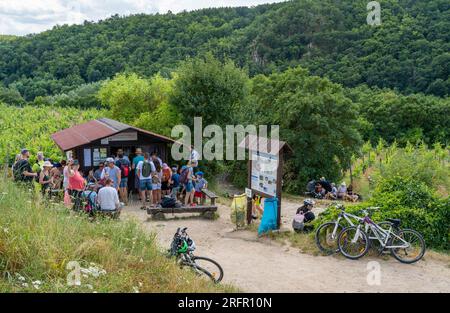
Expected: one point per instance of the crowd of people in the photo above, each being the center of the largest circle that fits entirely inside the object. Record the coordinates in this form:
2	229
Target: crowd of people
323	189
106	187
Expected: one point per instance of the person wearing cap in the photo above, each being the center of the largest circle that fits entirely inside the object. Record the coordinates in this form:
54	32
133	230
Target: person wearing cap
112	172
22	169
46	178
200	184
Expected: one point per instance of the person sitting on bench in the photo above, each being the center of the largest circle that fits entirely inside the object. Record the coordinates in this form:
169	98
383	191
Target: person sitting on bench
108	198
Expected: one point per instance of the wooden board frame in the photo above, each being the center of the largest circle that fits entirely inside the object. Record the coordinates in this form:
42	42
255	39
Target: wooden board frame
262	194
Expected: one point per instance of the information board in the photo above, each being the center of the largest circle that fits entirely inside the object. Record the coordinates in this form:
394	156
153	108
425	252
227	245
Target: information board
264	173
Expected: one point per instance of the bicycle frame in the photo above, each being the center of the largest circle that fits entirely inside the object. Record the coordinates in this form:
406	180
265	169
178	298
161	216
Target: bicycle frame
381	234
347	217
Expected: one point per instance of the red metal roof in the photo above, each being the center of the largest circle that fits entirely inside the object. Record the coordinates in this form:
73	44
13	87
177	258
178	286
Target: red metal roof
86	133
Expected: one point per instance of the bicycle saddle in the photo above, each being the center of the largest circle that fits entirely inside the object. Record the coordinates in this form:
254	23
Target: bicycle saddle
394	221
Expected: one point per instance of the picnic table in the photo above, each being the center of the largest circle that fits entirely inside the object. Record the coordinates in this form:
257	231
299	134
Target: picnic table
207	210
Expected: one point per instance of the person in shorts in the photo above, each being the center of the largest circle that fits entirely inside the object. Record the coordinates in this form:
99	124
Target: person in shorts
200	184
145	169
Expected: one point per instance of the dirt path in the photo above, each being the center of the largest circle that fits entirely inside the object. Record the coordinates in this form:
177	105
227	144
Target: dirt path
263	265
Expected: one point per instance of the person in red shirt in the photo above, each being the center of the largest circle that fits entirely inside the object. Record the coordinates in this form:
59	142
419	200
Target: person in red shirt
76	184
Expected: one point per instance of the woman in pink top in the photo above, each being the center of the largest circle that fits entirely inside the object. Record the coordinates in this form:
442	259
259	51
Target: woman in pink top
76	184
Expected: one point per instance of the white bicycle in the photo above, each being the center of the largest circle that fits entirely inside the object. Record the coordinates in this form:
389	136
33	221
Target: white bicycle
406	245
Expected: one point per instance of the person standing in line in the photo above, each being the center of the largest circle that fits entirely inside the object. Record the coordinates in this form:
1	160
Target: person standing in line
98	172
112	172
22	169
156	182
123	163
166	179
145	169
46	178
76	184
189	185
138	158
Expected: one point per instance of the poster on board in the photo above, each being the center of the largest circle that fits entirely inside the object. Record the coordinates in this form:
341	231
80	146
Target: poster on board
264	173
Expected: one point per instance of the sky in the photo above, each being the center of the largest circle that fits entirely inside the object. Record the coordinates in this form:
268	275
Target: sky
21	17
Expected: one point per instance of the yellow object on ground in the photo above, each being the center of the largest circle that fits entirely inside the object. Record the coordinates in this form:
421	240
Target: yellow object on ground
239	210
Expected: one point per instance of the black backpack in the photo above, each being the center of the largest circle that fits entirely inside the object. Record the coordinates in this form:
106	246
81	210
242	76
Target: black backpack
168	202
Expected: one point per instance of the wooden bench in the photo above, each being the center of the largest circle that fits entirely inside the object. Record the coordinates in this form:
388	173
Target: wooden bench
207	210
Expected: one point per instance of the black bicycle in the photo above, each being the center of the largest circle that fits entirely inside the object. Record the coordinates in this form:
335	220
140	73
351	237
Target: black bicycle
182	247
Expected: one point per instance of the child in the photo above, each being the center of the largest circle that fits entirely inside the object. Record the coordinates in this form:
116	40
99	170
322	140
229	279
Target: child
256	207
175	183
200	183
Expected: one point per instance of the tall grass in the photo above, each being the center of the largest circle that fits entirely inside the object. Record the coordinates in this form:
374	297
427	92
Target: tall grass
38	239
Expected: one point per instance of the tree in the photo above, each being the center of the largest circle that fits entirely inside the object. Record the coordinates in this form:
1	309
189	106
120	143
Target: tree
127	95
316	119
208	88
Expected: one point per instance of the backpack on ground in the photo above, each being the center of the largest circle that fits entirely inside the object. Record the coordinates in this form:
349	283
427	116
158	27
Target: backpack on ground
184	176
168	202
146	169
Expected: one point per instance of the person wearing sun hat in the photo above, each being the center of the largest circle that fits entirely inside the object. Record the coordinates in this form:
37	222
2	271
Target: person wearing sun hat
46	178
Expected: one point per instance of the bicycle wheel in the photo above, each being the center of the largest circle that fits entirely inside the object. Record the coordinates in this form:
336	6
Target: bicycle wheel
414	252
326	237
212	267
358	248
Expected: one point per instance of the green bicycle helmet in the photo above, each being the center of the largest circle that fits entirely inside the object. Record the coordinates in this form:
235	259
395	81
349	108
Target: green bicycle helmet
184	247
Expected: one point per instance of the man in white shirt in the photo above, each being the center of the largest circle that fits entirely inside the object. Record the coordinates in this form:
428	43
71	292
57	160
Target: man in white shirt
108	198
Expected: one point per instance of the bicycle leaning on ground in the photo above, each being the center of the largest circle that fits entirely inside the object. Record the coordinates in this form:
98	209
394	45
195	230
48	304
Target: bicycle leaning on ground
406	245
182	248
327	234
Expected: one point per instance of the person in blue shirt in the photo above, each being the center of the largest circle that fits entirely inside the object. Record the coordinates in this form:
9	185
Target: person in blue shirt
200	184
175	186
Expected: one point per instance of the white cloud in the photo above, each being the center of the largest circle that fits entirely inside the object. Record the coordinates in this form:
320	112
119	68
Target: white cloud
33	16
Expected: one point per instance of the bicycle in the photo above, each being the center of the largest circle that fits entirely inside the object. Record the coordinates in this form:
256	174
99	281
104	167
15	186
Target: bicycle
326	234
182	247
406	245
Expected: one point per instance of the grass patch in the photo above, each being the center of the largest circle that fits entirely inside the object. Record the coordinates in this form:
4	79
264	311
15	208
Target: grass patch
39	239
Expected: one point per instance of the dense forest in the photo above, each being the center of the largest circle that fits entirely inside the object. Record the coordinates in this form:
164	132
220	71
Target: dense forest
409	52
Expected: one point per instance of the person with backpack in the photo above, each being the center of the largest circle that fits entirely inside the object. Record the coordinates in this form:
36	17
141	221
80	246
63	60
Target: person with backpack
157	182
145	169
124	164
22	169
17	159
166	179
